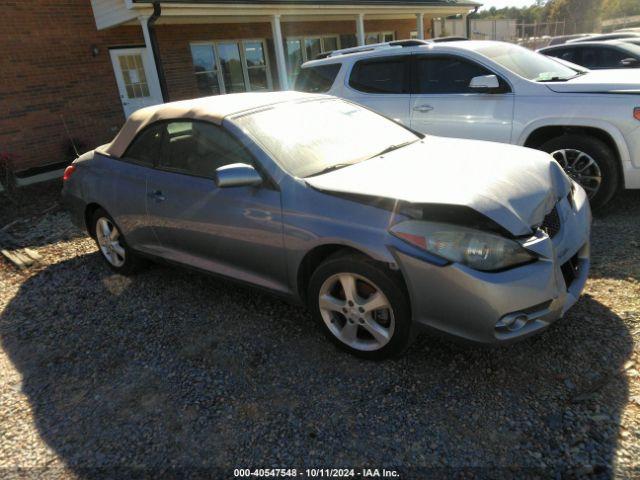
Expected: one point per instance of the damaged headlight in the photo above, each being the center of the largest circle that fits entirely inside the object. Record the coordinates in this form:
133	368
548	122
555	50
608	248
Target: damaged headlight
479	250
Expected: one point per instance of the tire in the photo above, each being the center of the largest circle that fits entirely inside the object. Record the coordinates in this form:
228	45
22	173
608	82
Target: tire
602	155
392	326
120	258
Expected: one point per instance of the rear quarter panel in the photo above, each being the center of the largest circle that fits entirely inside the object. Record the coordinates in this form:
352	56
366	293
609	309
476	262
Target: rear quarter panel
120	189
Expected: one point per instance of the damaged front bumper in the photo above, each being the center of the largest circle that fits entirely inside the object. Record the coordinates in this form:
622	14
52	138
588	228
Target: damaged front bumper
507	306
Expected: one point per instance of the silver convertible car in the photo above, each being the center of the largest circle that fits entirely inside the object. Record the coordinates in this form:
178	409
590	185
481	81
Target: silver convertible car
381	231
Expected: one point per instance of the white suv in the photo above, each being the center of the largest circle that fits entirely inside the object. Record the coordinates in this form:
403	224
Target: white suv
588	120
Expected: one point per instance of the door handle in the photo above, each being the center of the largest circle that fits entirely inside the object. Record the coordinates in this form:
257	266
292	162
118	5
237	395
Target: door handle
157	196
423	108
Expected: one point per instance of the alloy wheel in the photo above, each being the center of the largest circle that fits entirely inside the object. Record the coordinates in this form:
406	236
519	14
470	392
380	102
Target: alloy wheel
108	238
582	168
356	311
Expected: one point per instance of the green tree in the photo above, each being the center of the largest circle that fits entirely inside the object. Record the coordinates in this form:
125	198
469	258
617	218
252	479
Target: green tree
620	8
578	15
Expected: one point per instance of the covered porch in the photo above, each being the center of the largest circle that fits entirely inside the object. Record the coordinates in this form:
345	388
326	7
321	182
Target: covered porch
214	47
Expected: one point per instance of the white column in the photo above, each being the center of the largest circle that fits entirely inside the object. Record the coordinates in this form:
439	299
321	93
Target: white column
278	45
360	29
465	30
420	25
153	81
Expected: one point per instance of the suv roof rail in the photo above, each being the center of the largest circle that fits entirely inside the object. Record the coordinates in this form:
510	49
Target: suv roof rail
448	39
375	46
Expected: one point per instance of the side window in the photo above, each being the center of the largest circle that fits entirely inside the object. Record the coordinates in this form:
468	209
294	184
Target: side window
146	147
612	57
568	54
447	75
199	148
388	75
591	57
317	79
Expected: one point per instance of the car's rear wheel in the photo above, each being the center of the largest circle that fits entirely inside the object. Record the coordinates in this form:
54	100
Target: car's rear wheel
589	162
112	245
361	306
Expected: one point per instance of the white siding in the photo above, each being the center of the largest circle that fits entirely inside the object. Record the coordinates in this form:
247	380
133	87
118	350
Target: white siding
502	30
109	13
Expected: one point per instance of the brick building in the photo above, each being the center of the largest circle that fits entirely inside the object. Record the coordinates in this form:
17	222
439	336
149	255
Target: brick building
72	70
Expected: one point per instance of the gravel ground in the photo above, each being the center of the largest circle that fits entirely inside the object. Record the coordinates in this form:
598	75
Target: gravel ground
172	370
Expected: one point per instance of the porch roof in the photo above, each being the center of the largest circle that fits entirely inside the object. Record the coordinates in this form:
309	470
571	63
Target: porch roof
109	13
395	3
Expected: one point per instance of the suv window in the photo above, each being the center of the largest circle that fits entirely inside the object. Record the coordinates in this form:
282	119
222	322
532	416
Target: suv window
317	79
447	75
568	54
145	148
605	57
387	75
199	148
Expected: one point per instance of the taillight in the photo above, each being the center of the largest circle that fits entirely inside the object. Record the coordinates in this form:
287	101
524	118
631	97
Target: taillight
636	113
68	172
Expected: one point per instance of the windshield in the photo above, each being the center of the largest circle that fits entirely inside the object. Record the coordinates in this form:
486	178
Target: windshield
312	137
528	64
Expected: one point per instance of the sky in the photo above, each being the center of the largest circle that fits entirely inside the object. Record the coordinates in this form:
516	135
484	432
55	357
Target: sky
505	3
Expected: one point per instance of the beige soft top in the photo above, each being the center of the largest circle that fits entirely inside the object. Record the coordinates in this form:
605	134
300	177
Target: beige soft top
212	109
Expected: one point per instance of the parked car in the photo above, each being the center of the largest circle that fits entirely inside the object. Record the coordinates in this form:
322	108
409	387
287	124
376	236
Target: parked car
380	230
589	121
559	40
598	55
605	36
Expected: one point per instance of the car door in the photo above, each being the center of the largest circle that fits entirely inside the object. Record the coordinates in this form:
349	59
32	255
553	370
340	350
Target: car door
127	181
235	231
383	85
442	103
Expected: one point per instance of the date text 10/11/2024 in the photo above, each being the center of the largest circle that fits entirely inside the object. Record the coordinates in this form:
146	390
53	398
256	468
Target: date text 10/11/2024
316	472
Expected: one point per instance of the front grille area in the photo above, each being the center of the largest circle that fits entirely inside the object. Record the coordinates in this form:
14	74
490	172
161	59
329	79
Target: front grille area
551	223
570	270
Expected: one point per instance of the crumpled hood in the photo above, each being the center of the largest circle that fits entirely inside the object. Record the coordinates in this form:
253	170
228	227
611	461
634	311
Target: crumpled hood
601	81
513	186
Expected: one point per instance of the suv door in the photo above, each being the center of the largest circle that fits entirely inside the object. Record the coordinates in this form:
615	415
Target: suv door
382	84
442	103
234	231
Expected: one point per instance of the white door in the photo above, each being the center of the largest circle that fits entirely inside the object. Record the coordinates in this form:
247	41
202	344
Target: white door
443	104
138	88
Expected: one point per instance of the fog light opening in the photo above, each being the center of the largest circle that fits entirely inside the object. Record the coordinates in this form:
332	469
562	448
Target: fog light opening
513	323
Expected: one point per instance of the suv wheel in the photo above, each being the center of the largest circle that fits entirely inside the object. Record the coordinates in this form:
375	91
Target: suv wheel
361	306
589	162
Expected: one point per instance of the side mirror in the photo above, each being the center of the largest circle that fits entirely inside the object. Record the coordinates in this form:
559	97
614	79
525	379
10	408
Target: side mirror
485	82
630	62
237	175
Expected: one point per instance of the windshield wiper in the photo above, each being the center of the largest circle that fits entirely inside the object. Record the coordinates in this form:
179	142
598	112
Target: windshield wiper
391	148
331	168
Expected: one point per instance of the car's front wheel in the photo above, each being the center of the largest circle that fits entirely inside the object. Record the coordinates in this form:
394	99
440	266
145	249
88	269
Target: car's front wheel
589	162
361	306
112	244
